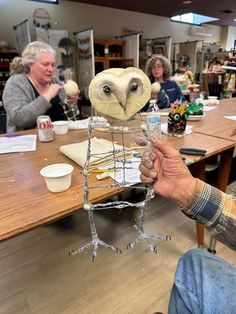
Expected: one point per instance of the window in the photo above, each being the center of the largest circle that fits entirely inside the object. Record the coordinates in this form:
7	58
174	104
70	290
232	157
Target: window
47	1
192	18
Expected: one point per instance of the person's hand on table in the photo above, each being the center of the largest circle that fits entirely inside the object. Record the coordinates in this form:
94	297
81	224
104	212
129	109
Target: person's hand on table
165	168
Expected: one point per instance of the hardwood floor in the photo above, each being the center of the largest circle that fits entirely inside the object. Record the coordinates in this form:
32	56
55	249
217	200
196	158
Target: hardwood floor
38	275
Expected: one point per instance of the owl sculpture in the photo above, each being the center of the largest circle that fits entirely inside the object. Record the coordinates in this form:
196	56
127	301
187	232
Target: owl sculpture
118	94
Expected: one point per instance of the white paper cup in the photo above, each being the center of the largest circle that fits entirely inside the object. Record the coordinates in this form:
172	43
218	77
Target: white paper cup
60	127
57	177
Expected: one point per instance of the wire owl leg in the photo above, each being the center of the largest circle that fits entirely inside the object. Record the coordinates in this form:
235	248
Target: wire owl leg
143	236
95	242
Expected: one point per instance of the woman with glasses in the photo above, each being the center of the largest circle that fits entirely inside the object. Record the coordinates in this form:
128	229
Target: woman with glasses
32	90
158	69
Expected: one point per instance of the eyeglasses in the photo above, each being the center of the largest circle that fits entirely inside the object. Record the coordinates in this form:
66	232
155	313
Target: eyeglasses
157	66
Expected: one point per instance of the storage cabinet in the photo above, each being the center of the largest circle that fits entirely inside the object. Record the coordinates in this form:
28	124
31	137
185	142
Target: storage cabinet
5	60
108	53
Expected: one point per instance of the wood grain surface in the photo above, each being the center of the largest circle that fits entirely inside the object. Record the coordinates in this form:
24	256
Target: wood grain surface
25	201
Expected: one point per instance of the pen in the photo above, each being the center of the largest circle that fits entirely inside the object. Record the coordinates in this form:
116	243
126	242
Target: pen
12	135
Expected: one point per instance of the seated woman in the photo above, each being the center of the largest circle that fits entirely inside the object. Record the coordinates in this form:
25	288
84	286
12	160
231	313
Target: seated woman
158	69
32	90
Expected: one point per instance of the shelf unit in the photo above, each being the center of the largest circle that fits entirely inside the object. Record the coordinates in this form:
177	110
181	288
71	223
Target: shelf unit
108	53
5	60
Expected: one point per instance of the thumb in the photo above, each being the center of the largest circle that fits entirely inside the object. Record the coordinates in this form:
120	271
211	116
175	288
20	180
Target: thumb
166	149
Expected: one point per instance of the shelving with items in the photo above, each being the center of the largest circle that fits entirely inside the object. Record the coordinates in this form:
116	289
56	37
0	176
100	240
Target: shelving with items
108	53
230	77
5	60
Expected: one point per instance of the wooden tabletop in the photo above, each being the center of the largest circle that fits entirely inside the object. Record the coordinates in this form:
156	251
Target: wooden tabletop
25	201
214	122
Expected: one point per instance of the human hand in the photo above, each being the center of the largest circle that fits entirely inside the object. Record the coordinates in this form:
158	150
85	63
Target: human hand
52	91
71	100
165	169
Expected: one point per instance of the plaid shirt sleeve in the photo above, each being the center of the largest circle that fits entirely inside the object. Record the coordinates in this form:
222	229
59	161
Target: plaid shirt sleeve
216	210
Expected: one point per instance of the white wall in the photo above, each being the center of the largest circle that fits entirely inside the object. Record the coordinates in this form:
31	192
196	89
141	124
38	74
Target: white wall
73	16
231	37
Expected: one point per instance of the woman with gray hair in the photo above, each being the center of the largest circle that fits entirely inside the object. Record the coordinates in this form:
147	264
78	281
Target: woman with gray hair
32	90
158	69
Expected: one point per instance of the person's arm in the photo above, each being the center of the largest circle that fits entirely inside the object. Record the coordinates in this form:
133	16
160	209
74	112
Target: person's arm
20	103
216	210
172	179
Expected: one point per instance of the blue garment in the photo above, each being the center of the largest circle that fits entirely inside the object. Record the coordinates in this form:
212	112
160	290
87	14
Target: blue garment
204	284
172	90
163	101
168	88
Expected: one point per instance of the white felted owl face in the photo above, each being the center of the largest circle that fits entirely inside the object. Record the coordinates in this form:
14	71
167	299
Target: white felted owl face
119	93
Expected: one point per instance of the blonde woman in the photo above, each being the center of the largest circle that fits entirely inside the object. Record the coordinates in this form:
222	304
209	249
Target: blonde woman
32	90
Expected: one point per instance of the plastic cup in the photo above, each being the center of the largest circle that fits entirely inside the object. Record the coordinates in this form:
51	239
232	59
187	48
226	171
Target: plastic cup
60	127
57	177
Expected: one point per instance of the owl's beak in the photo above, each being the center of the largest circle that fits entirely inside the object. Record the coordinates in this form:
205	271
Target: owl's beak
122	100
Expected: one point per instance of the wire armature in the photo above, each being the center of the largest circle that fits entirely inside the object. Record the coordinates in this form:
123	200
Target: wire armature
117	161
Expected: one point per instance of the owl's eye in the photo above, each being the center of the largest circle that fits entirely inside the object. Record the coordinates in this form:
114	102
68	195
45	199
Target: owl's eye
106	88
134	87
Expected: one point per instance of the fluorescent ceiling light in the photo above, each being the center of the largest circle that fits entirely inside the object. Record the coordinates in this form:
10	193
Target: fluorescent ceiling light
193	18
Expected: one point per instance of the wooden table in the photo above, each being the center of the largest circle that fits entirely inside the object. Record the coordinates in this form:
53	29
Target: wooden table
214	122
25	201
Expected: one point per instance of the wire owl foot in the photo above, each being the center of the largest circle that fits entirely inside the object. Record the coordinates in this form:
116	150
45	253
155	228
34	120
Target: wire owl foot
146	237
94	244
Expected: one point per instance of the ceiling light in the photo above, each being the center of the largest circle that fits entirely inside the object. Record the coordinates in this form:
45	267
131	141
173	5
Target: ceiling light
187	1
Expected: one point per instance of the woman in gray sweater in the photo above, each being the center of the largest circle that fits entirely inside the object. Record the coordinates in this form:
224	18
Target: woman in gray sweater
32	91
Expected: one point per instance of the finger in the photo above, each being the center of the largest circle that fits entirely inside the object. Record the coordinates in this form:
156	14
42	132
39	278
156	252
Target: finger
147	160
145	179
147	172
165	148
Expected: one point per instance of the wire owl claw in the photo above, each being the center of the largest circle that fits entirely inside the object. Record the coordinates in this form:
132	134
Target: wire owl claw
146	237
94	244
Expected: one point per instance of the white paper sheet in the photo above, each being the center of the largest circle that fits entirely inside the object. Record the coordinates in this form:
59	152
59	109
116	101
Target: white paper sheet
230	117
188	130
208	108
83	124
17	143
132	175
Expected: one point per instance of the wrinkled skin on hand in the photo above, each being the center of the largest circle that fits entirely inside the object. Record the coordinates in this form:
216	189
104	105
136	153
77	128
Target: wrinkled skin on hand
165	168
